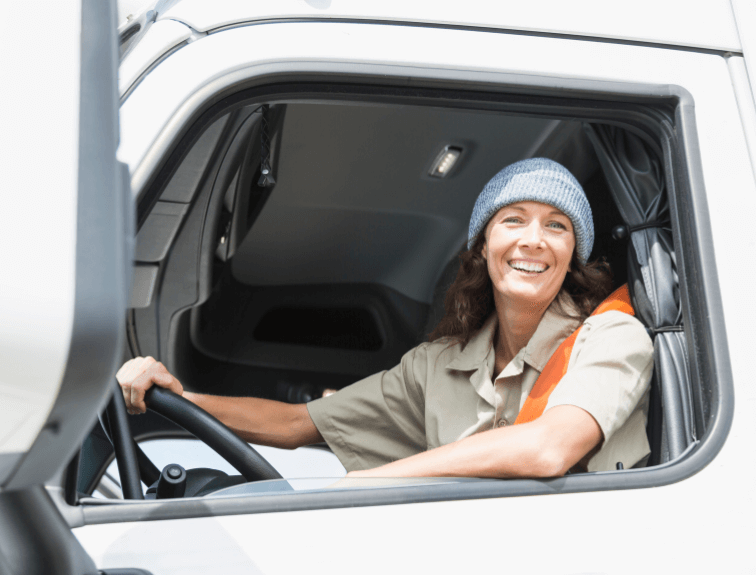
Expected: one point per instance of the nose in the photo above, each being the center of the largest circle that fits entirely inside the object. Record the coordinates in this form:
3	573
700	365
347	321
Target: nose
532	235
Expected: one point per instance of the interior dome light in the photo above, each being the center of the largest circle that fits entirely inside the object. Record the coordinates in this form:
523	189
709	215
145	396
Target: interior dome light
445	161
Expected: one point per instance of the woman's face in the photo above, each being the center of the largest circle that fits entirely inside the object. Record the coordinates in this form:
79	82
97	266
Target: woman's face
528	250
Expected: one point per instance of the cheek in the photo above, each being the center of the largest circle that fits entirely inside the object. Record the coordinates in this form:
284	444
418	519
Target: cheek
564	254
569	251
500	242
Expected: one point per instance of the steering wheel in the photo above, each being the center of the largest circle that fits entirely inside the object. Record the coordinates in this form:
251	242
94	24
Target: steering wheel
242	456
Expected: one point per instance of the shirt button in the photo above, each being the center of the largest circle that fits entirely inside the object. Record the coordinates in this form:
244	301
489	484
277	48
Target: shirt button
502	423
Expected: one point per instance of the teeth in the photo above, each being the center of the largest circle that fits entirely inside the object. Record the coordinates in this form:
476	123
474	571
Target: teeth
528	266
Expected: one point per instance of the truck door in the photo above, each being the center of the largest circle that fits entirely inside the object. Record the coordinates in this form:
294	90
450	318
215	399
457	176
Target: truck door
66	224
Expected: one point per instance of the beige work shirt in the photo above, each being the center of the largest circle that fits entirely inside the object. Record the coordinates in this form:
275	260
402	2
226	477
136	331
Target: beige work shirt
440	393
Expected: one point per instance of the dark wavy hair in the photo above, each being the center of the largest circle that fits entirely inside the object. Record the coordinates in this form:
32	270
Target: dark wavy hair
469	300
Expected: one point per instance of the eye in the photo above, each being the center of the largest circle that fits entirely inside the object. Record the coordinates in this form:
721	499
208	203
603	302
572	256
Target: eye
512	220
557	225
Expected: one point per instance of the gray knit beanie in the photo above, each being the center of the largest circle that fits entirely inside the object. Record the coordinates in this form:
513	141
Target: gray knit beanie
536	180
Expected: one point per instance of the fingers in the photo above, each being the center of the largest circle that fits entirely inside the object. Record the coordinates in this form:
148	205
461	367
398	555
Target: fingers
125	376
138	375
133	368
138	388
131	373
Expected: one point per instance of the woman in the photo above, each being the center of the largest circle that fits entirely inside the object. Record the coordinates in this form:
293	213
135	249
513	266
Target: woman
450	407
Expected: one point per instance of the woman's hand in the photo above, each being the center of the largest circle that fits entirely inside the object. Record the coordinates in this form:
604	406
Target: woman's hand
138	375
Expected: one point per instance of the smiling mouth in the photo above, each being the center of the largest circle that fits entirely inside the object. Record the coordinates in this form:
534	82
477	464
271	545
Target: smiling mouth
528	267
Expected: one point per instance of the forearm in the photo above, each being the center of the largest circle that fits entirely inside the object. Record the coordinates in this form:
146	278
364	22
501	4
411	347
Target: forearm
498	453
261	421
547	447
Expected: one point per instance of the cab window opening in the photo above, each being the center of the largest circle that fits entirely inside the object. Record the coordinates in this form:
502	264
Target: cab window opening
200	328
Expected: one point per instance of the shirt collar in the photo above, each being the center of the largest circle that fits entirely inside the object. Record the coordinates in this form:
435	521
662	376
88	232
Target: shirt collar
476	350
555	326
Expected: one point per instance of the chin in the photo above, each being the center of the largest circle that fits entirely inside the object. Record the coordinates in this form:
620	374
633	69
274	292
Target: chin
530	295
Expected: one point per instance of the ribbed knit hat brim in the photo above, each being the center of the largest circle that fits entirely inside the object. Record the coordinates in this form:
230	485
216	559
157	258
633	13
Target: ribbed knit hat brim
536	180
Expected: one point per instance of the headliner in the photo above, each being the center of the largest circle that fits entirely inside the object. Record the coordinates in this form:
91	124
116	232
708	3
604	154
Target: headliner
353	202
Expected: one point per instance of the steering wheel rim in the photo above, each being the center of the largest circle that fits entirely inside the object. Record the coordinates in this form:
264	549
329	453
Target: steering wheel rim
242	456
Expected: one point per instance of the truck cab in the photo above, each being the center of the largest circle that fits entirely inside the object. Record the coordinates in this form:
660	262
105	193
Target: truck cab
251	195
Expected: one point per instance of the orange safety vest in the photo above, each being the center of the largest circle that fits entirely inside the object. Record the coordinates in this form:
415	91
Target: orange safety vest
556	367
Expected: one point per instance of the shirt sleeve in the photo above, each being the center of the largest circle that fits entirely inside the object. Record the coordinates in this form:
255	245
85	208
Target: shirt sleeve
609	373
378	419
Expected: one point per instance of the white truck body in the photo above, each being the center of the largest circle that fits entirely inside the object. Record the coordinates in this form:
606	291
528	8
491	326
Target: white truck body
193	50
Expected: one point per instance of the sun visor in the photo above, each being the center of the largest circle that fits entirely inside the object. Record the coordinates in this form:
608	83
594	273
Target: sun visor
65	224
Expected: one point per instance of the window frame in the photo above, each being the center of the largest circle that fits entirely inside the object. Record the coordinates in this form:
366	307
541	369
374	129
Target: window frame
668	119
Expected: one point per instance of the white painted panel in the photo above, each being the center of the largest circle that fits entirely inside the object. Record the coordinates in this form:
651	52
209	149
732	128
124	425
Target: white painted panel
746	103
617	533
745	12
708	24
159	39
39	145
